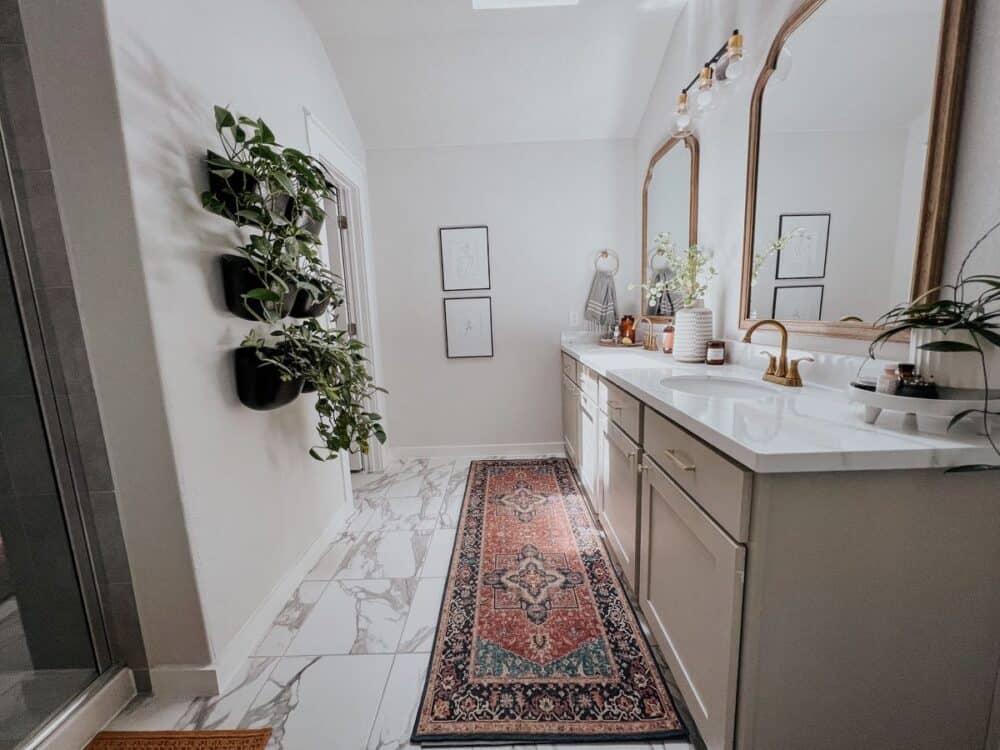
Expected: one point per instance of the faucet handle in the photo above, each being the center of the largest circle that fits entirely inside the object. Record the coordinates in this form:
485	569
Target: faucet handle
772	363
793	370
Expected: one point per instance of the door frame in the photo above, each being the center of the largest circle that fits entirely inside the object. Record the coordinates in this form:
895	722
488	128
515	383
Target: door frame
351	180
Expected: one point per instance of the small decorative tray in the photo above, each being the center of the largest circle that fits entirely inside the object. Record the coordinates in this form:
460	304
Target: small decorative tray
932	414
613	343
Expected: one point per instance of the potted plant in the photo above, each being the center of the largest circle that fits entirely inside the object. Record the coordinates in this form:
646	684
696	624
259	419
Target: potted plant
959	325
334	366
279	194
318	288
265	379
687	275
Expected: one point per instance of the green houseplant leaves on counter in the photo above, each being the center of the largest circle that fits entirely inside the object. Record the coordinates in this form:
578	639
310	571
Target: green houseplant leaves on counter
276	196
971	304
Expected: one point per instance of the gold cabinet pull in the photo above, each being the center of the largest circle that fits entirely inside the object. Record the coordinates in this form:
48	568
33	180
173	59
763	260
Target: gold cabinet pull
672	455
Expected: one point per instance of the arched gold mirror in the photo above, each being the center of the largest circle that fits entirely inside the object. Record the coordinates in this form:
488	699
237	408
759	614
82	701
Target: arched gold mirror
853	130
669	206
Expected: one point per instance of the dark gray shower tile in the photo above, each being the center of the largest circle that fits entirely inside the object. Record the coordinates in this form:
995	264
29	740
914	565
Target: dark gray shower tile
61	324
125	631
15	372
90	438
10	23
22	120
25	446
44	236
109	537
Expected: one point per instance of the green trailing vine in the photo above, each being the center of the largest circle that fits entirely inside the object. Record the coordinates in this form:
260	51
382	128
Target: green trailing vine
276	194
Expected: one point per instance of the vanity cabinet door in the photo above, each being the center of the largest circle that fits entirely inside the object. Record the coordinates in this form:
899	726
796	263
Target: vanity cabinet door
691	591
571	419
620	514
588	449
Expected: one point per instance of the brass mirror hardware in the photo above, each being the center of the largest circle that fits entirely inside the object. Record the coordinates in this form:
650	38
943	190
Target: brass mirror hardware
949	82
691	144
778	372
649	343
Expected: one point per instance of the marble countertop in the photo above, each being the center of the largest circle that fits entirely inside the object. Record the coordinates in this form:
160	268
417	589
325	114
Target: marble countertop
814	428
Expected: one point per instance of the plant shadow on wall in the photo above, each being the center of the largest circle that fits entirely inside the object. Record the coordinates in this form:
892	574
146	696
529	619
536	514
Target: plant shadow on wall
961	319
276	195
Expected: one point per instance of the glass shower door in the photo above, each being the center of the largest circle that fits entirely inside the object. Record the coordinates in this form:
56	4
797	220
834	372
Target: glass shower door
47	654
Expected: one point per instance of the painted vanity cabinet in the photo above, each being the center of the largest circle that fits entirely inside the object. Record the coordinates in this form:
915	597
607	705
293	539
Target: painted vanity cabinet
813	610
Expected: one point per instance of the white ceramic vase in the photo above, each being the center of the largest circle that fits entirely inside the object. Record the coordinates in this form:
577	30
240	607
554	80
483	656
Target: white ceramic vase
692	332
953	369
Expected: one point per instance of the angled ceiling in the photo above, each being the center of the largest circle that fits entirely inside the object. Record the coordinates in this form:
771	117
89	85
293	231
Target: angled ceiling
437	73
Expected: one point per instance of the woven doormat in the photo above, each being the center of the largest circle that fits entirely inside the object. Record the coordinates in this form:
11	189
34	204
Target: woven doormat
239	739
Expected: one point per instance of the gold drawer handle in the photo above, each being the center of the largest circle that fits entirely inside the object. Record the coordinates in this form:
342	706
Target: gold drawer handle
672	455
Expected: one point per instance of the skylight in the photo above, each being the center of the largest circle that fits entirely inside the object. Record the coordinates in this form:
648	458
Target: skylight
507	4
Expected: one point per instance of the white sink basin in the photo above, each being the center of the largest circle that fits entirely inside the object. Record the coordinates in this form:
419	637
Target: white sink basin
717	387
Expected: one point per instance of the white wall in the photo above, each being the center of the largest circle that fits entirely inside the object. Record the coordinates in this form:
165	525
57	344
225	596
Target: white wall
723	135
549	207
249	500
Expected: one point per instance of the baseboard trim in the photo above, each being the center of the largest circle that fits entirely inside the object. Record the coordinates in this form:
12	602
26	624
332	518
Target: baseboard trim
87	715
478	451
189	681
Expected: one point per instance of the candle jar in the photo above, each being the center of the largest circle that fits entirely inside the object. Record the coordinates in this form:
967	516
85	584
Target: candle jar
668	338
715	354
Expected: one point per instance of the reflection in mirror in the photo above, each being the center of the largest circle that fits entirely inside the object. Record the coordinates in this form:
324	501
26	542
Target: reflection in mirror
844	125
670	215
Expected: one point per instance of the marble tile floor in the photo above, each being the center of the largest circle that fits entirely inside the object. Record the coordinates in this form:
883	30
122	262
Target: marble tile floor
343	665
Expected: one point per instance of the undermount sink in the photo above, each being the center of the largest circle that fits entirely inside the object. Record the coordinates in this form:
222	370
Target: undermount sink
716	387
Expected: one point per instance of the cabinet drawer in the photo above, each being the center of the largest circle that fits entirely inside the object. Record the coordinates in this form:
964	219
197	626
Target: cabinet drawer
621	407
569	366
588	382
720	486
691	591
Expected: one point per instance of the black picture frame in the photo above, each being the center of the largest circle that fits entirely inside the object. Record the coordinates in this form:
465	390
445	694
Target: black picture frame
774	300
489	277
447	342
826	245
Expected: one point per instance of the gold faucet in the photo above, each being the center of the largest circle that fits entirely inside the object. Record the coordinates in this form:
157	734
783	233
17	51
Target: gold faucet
779	370
650	342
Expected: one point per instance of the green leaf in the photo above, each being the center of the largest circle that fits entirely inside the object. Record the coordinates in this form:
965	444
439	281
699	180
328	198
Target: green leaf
285	182
223	118
263	295
948	346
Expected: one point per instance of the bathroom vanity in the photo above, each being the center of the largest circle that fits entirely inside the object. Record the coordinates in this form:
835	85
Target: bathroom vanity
813	581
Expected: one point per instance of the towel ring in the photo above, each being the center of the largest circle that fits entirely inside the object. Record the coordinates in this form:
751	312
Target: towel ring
605	255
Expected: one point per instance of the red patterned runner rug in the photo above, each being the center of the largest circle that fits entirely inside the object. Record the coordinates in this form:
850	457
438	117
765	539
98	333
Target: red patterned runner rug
537	640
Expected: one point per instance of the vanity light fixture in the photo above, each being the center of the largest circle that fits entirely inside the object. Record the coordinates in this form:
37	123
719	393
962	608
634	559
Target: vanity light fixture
725	66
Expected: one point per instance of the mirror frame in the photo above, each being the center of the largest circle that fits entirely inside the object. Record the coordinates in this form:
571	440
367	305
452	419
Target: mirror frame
939	170
691	144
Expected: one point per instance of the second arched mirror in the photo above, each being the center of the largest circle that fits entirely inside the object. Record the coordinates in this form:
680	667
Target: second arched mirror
669	214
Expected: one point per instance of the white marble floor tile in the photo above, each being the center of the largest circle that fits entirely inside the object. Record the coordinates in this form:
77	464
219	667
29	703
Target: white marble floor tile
400	700
320	702
339	549
438	554
220	712
451	510
356	617
290	620
405	514
378	554
418	635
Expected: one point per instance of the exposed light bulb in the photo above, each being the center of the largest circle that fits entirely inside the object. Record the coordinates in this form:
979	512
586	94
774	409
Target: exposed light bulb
704	99
683	121
734	68
730	67
683	116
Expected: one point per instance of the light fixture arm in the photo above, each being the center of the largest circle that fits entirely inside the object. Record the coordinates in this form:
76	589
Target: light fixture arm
716	57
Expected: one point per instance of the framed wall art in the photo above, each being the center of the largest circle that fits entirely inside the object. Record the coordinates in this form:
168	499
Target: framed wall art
468	327
465	258
798	302
805	256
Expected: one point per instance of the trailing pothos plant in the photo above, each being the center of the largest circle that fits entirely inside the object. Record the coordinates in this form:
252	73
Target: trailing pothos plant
278	193
971	304
335	365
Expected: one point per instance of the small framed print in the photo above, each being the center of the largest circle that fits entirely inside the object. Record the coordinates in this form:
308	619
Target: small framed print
798	302
804	257
468	327
465	258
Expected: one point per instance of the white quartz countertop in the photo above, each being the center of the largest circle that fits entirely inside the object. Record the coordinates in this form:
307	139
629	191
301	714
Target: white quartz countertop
783	429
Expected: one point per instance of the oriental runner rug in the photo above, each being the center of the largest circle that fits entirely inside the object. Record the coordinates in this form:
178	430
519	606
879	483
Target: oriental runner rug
236	739
537	640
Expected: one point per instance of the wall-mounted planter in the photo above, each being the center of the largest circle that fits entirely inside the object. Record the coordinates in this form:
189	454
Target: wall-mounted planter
305	307
308	387
239	278
259	384
228	189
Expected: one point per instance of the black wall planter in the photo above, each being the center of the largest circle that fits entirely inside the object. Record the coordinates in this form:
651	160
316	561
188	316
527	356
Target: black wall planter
229	190
238	278
305	307
308	387
259	384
